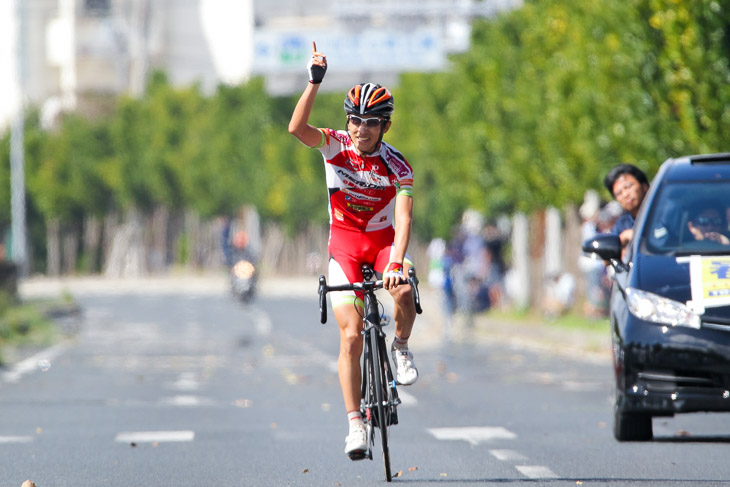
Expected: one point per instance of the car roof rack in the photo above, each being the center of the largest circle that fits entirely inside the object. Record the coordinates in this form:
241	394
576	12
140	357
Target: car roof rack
709	158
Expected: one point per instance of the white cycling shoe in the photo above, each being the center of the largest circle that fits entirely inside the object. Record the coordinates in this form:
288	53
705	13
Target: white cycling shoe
406	372
356	443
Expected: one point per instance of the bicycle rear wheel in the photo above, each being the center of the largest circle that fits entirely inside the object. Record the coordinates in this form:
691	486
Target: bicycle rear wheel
380	396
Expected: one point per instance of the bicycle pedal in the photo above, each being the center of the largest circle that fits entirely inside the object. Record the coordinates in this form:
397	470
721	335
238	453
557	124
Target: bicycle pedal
358	455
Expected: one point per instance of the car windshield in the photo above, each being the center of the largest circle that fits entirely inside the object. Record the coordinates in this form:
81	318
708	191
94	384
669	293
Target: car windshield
689	217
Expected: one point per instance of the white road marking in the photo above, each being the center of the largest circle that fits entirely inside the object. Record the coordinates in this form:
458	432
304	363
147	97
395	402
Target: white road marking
507	455
186	401
16	439
474	435
536	472
187	381
407	399
154	436
44	357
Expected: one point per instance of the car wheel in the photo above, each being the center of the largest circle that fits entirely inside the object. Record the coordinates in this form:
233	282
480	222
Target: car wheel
632	427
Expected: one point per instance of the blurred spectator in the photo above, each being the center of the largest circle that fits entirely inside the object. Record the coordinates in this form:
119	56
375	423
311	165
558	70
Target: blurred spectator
559	294
472	268
607	217
470	275
593	270
226	241
435	253
496	265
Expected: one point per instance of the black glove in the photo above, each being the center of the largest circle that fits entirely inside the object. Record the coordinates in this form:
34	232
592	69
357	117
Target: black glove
316	72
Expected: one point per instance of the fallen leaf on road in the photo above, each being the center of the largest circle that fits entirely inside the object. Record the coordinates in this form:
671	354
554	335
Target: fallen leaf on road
684	433
398	474
413	469
306	470
28	483
444	474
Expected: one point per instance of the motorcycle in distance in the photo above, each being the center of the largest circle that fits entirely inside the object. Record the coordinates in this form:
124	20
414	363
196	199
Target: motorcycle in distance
243	275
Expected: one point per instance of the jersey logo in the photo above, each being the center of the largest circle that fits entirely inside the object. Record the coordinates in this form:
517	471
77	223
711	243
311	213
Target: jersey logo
360	207
397	165
359	196
370	183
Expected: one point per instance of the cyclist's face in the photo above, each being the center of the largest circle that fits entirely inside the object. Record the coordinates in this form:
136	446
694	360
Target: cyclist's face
365	133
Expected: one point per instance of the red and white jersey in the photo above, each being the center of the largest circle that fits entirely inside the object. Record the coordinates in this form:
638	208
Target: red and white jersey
362	189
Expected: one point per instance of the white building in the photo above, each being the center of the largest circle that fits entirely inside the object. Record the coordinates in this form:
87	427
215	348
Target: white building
73	54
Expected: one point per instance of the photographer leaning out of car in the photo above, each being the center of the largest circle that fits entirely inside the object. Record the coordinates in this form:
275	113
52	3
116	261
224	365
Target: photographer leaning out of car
628	185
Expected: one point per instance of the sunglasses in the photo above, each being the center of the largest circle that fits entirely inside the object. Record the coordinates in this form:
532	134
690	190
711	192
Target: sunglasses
706	220
369	122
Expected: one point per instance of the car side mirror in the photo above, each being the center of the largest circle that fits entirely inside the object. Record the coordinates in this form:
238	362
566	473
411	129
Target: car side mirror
607	246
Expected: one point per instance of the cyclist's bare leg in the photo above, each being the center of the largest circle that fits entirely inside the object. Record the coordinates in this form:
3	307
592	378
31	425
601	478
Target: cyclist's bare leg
404	310
348	362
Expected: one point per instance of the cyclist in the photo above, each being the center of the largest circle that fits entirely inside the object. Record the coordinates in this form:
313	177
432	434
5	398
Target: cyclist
370	207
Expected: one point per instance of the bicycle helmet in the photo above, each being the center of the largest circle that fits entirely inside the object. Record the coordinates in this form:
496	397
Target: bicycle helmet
369	99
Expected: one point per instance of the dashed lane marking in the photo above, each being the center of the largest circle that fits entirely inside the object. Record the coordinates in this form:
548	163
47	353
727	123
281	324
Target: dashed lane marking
41	360
407	399
536	472
154	436
507	455
473	435
16	439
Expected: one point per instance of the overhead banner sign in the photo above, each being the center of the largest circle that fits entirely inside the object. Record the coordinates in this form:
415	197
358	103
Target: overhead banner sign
278	51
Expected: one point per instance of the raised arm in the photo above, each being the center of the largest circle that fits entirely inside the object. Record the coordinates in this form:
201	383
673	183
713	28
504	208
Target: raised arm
299	125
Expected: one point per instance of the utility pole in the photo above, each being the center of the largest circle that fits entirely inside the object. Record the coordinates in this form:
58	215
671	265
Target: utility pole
17	157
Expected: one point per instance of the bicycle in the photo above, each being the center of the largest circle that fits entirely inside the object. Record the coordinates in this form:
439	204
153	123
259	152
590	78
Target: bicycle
379	397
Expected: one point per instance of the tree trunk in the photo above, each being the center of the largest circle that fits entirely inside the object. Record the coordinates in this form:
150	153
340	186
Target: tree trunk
92	242
53	247
157	231
70	251
127	254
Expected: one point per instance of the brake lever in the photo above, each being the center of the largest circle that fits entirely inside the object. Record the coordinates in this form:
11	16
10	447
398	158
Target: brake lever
322	300
413	281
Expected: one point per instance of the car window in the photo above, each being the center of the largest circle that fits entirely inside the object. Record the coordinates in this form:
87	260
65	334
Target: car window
689	217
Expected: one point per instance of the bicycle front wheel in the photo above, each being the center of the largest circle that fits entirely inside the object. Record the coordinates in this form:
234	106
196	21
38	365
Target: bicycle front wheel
380	397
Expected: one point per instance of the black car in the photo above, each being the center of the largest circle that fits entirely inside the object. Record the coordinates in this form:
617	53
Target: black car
670	300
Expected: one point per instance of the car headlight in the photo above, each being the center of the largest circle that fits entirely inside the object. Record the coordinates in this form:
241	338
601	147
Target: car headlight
658	309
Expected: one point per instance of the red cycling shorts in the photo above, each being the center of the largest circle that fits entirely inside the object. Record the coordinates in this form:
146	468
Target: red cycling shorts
349	250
